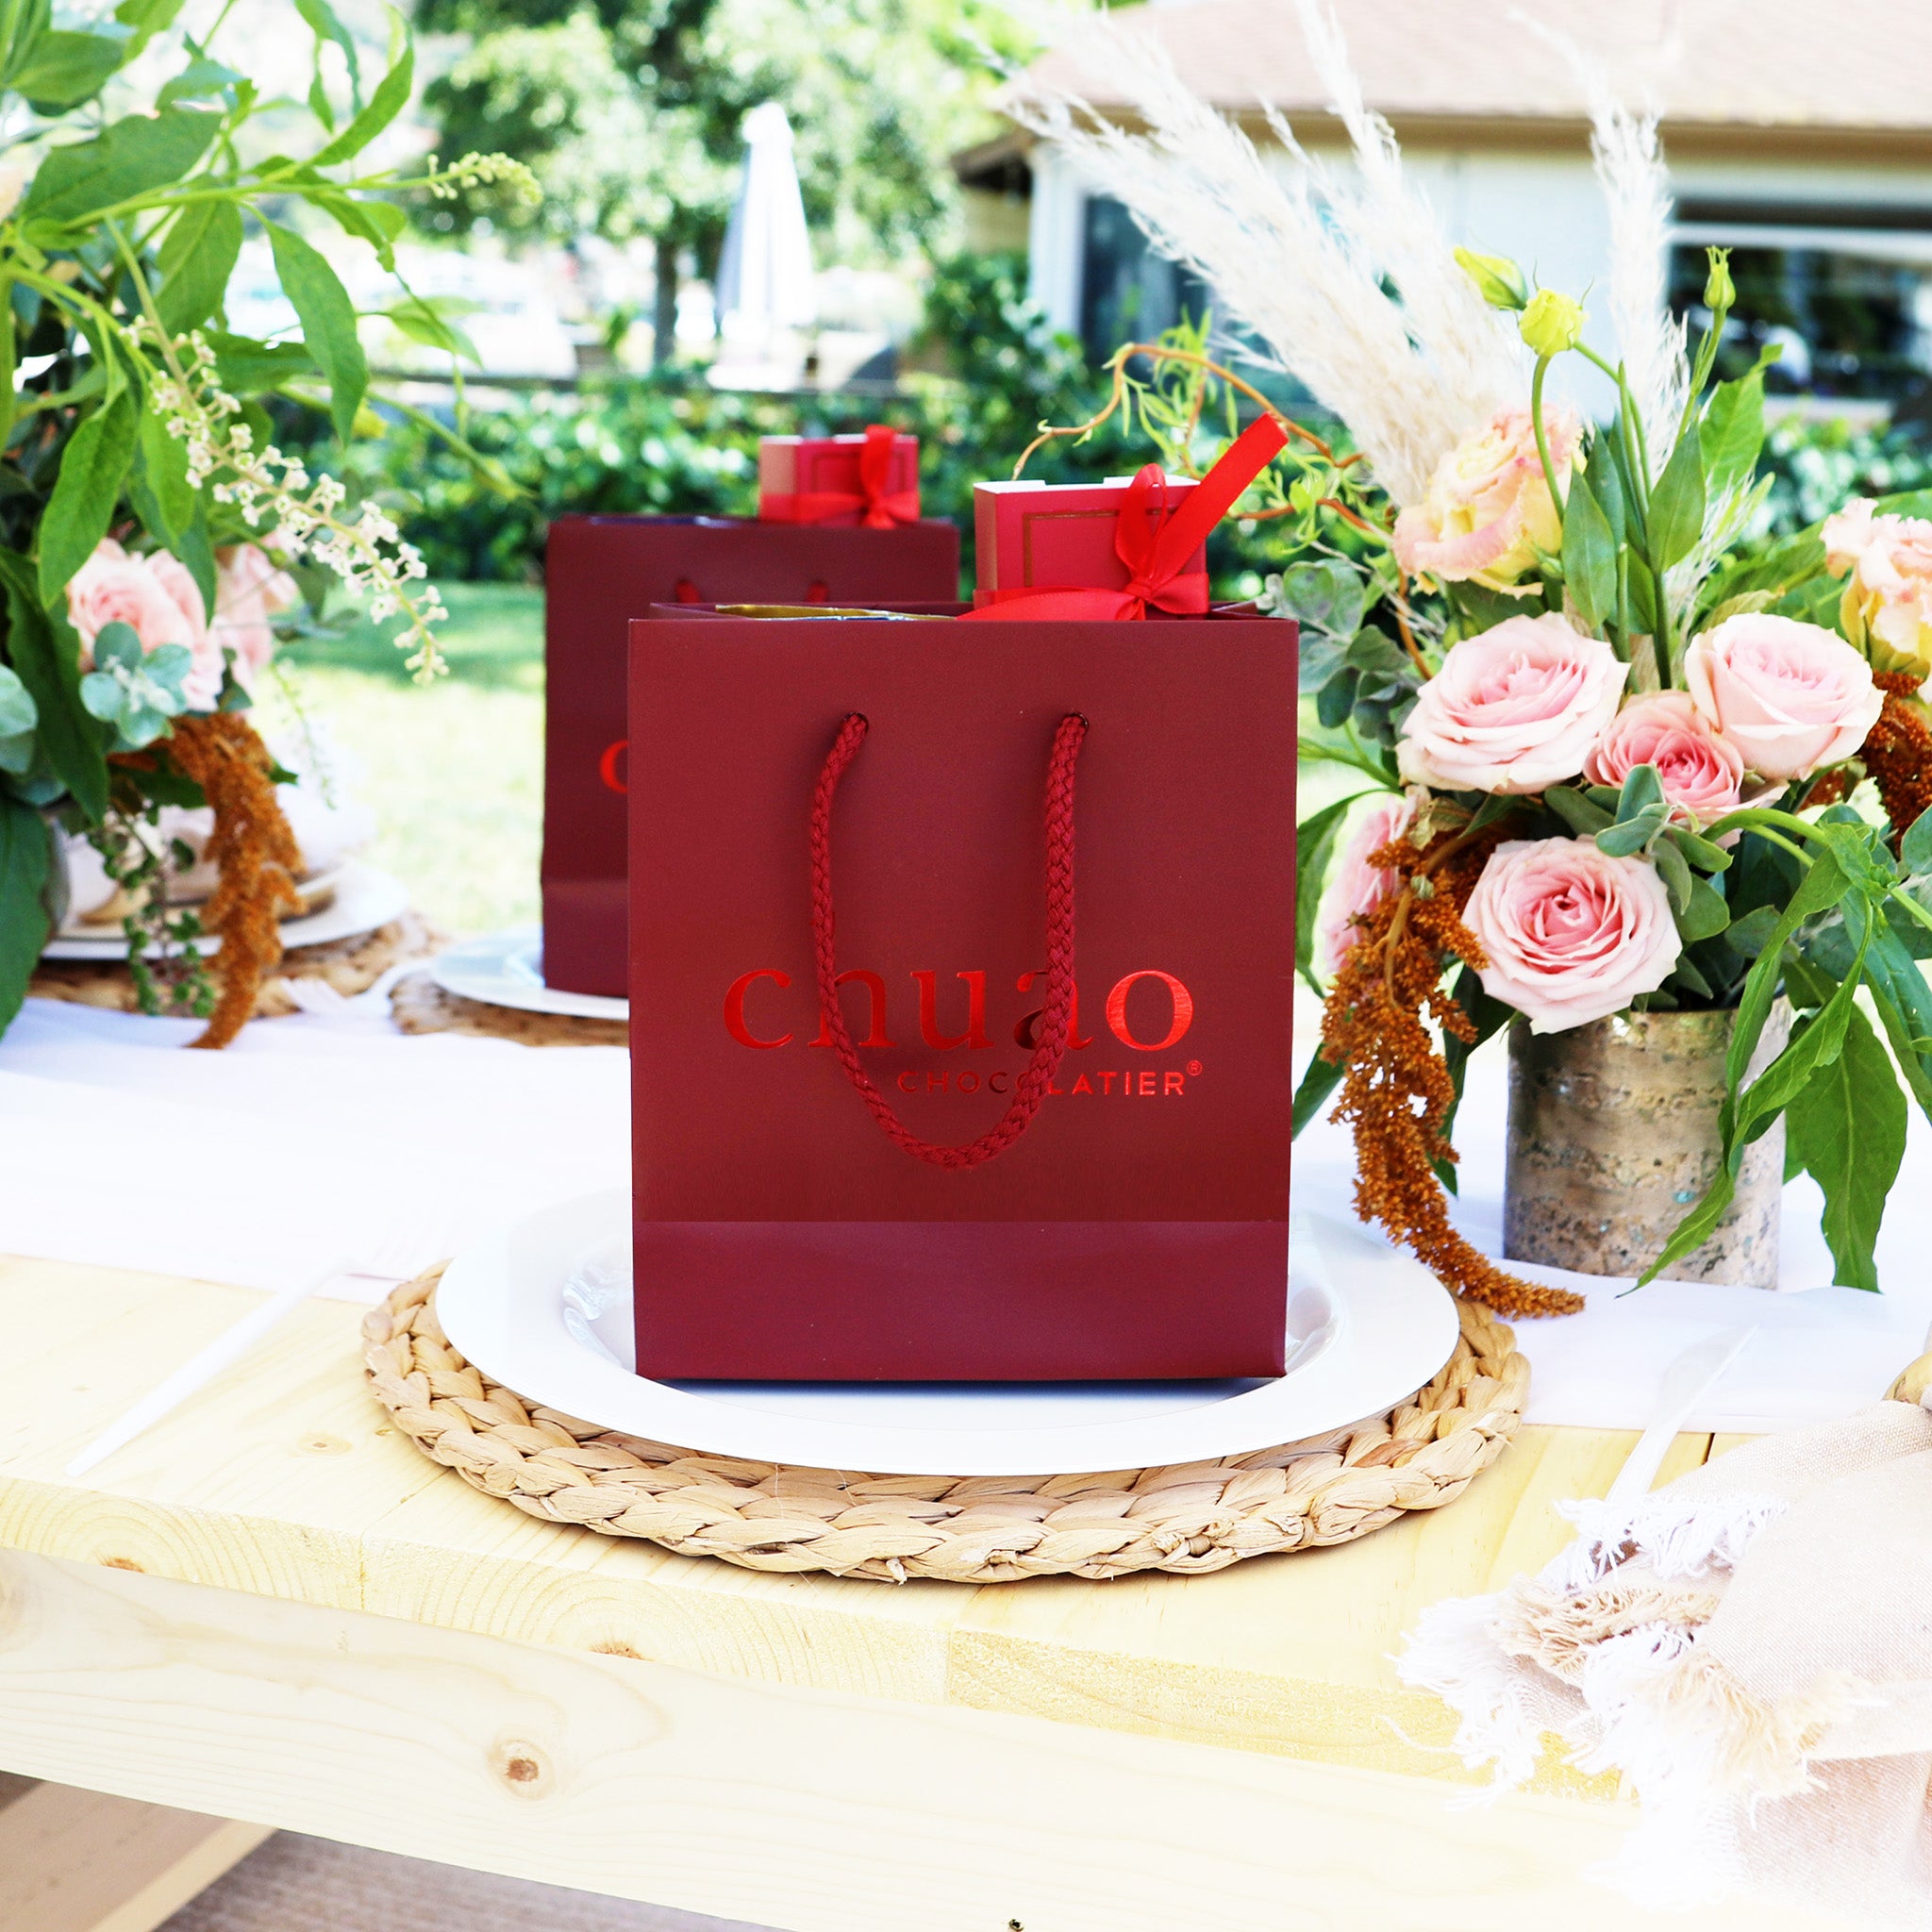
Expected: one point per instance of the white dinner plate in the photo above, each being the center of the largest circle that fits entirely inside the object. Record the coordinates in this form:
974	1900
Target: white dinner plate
365	898
505	968
544	1308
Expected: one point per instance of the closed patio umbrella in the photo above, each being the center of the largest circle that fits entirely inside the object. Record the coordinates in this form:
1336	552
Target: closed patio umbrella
765	285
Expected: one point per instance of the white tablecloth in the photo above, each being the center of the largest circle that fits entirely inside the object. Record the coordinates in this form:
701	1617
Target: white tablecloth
331	1135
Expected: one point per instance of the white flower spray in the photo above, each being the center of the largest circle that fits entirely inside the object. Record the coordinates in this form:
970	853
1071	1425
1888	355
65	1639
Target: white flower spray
369	554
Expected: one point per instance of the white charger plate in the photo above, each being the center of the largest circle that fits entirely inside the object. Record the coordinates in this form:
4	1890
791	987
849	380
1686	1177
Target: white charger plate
505	968
544	1309
366	898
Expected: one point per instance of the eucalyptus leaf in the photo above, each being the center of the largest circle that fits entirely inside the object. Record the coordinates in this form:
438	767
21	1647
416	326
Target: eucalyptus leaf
1628	837
1583	815
17	712
1374	651
1326	596
1642	789
1335	700
1702	853
1675	870
1705	914
1748	936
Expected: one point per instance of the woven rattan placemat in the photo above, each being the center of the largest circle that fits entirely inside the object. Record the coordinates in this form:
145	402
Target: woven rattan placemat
418	1005
349	966
975	1529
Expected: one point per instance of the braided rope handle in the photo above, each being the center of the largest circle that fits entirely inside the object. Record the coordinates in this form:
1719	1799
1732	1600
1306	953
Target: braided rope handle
1031	1090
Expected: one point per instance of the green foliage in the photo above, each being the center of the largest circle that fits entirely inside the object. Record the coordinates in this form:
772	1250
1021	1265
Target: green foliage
1314	845
140	415
25	857
1847	1130
669	444
629	111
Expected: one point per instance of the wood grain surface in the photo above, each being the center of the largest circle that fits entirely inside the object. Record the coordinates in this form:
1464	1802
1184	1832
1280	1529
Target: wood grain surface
284	1480
810	1809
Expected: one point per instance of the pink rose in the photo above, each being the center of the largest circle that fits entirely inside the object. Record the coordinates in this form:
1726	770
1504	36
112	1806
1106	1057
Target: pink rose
1702	772
1488	510
159	600
1513	709
1886	607
1355	886
1571	934
249	590
1790	696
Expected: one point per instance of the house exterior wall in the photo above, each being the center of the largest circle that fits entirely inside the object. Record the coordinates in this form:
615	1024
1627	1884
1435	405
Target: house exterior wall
1541	206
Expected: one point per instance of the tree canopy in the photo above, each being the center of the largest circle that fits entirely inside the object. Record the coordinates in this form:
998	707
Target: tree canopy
628	112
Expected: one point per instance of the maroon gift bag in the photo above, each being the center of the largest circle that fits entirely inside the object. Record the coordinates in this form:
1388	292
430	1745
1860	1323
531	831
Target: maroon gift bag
602	571
961	972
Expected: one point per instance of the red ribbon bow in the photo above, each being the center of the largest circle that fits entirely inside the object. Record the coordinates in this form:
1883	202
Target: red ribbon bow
879	509
1153	544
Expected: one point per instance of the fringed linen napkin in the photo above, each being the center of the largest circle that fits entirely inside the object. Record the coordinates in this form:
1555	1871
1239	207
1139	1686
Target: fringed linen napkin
1751	1647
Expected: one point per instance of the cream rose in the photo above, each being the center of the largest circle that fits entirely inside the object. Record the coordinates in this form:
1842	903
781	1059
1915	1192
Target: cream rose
1887	564
1792	697
159	600
1355	887
1572	934
1488	510
1513	709
1702	772
249	591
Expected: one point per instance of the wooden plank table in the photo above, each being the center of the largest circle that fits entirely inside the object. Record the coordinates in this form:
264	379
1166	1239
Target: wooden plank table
272	1609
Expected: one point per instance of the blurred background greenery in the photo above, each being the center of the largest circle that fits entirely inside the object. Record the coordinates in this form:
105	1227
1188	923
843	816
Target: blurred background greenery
600	381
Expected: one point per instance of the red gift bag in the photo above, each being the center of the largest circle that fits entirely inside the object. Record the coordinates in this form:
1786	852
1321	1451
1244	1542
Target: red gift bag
602	571
961	972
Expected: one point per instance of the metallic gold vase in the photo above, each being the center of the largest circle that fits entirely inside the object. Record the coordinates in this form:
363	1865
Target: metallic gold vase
1613	1137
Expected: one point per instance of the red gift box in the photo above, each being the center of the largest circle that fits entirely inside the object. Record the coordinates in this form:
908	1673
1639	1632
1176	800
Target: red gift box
1033	536
1112	550
602	571
961	977
838	481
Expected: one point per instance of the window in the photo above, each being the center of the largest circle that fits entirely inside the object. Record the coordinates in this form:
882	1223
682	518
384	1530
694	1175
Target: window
1127	291
1846	293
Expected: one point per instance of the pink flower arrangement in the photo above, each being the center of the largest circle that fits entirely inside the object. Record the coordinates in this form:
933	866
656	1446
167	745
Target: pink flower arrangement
1887	564
1355	887
1488	511
250	591
1702	772
1512	709
159	600
1792	697
1571	934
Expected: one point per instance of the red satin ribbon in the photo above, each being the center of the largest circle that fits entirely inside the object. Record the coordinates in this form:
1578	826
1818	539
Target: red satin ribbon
1153	544
878	507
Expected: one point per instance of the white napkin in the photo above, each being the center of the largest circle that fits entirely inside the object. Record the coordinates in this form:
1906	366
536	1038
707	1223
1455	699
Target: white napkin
331	1132
310	1136
1822	1350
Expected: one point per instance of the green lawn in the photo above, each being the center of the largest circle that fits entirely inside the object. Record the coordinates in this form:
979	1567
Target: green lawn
455	773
